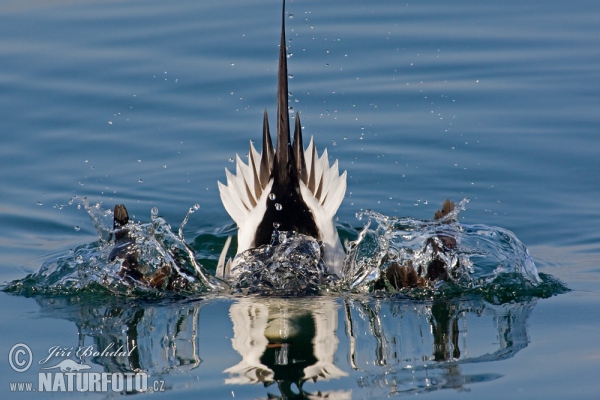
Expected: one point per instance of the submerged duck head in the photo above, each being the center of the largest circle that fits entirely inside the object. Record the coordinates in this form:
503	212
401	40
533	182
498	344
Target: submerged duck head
288	188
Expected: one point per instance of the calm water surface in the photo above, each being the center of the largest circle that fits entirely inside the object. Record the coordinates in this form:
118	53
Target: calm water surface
146	103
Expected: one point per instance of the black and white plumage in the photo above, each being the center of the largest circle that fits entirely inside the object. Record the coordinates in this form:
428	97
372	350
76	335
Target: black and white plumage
288	187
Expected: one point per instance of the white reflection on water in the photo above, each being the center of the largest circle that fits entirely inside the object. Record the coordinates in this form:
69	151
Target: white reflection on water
390	345
285	334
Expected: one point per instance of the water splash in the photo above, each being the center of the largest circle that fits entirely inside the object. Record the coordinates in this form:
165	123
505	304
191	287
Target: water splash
195	207
292	264
139	259
473	256
151	260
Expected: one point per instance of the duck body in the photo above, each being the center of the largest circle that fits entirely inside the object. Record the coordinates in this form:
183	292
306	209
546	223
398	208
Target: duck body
287	187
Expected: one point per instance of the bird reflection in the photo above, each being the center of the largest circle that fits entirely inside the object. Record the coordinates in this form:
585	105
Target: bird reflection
285	341
421	346
444	326
159	338
390	345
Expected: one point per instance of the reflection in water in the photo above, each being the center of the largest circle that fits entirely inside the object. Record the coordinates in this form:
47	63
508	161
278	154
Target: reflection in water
161	338
287	341
410	347
390	345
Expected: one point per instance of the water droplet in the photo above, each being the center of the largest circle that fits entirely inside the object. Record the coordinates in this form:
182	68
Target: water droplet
140	181
271	196
278	206
154	212
39	203
77	228
110	122
230	159
290	76
276	225
196	207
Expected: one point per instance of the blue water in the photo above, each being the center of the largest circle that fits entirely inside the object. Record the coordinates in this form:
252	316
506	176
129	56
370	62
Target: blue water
145	103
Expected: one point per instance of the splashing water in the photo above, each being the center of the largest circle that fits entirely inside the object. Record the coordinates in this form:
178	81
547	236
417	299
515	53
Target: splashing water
292	264
150	259
473	255
195	207
475	258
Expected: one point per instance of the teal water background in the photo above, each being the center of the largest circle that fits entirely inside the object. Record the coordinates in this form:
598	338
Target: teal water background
146	102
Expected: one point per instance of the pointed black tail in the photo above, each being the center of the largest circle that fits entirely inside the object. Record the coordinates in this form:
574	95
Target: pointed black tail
284	157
